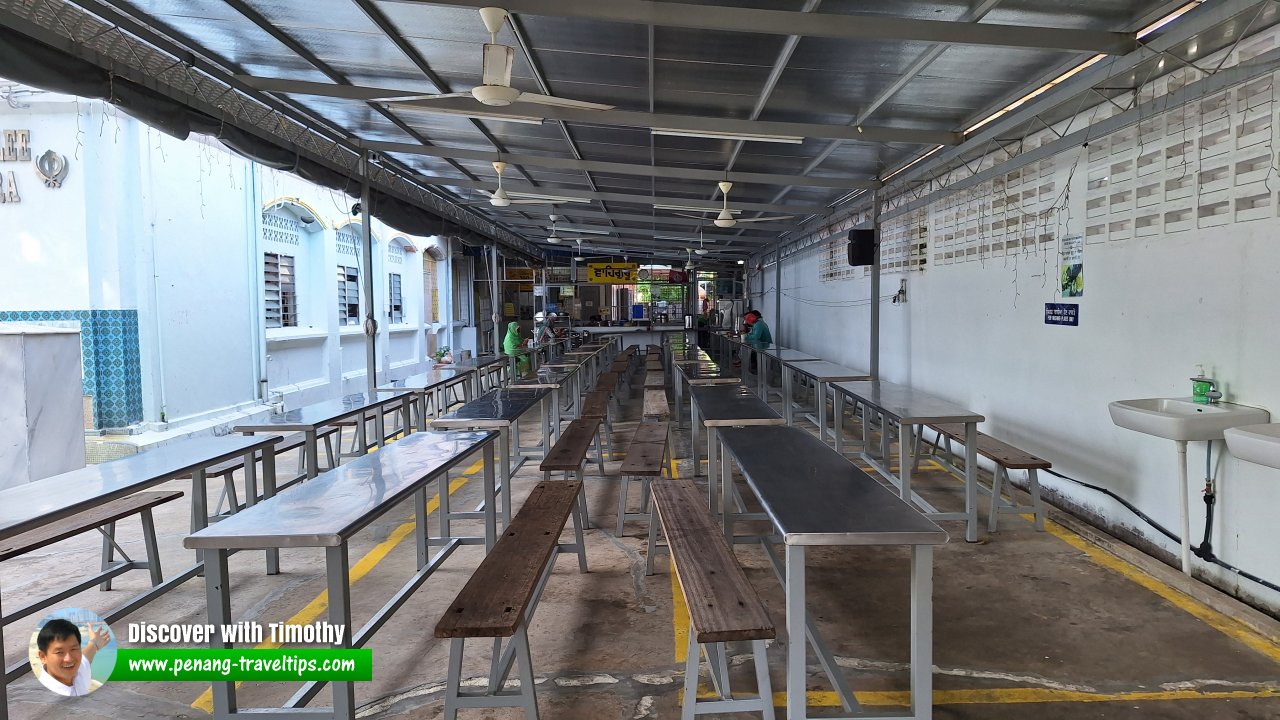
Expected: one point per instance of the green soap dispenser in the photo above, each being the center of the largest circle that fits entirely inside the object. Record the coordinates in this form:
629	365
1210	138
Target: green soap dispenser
1200	387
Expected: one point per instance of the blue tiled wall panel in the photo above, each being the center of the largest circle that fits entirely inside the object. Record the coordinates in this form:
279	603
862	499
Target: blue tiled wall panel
111	357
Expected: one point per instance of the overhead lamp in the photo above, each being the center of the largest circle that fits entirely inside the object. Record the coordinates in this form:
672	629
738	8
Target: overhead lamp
715	135
742	262
522	119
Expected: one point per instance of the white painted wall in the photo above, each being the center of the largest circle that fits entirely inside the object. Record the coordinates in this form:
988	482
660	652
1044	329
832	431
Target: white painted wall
44	233
1153	308
173	229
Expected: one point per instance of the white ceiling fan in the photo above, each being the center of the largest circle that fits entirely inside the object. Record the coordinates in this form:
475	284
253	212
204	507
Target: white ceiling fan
555	238
725	218
501	198
494	89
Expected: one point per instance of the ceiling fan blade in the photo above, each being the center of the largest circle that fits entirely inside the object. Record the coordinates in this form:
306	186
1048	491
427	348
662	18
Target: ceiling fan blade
765	219
539	201
348	92
497	65
545	197
537	99
695	217
419	97
586	231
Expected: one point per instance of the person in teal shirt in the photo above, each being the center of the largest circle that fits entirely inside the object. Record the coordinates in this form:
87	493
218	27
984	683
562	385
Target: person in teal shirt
759	330
758	334
511	345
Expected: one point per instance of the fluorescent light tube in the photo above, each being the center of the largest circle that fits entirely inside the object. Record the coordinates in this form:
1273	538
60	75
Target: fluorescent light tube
713	135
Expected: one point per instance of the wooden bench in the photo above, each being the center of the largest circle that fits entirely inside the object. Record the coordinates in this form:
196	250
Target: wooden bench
723	606
500	598
1006	457
646	459
102	518
596	405
656	406
655	380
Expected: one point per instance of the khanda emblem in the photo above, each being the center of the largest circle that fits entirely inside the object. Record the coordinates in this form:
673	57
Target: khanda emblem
52	168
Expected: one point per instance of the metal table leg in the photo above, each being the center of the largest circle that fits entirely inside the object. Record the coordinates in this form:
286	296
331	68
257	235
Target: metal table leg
922	632
787	412
971	481
797	703
694	447
713	464
837	409
491	497
339	576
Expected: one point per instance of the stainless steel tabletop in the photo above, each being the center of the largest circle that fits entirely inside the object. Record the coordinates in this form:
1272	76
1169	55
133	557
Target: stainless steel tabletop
39	503
327	510
826	371
503	406
906	404
478	362
320	414
548	378
706	370
815	496
428	380
786	354
727	405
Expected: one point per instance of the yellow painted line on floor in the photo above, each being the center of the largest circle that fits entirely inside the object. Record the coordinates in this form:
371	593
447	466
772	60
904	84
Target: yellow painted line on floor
1016	696
997	696
314	609
1228	626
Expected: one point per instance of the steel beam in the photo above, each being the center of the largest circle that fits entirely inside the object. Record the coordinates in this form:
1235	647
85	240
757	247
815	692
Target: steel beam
618	168
844	27
623	118
622	197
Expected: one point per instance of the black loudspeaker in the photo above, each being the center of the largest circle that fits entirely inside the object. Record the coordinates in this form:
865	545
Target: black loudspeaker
862	247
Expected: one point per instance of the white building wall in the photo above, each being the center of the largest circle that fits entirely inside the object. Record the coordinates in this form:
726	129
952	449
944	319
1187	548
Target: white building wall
173	229
43	242
1163	292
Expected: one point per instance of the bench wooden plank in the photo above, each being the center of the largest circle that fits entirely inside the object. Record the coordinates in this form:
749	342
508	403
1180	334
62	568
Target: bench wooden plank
596	404
997	450
645	458
570	451
493	601
81	522
655	379
649	431
723	606
655	404
607	381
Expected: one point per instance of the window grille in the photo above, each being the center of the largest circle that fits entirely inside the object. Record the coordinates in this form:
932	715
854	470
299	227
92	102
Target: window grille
395	301
281	307
348	295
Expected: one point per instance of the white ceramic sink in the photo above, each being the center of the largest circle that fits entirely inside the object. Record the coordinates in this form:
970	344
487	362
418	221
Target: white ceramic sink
1256	443
1182	419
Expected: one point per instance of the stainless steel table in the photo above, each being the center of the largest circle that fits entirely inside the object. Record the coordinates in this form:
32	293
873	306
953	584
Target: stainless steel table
822	373
500	410
433	384
722	406
780	354
326	513
482	368
911	408
698	373
556	379
814	496
53	499
311	418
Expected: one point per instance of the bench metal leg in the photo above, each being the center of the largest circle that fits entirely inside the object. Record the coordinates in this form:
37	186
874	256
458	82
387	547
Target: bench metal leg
690	678
600	450
624	482
108	552
579	522
718	669
1033	485
152	547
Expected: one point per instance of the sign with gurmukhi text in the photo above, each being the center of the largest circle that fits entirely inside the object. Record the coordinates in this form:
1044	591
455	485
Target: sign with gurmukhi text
616	273
15	148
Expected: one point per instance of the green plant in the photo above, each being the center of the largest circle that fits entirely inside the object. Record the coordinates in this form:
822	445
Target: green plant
441	353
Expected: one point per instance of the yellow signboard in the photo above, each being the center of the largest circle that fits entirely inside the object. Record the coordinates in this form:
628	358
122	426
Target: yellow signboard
616	273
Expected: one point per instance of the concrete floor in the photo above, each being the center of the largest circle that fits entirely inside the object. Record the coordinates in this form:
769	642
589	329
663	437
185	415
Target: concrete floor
1027	624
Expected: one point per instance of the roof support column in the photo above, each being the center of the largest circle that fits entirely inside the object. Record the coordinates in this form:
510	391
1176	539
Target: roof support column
875	287
366	261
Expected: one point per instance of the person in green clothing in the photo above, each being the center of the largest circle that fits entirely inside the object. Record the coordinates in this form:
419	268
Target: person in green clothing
511	345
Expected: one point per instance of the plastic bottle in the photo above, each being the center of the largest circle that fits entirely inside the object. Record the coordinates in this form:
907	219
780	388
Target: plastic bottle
1200	387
